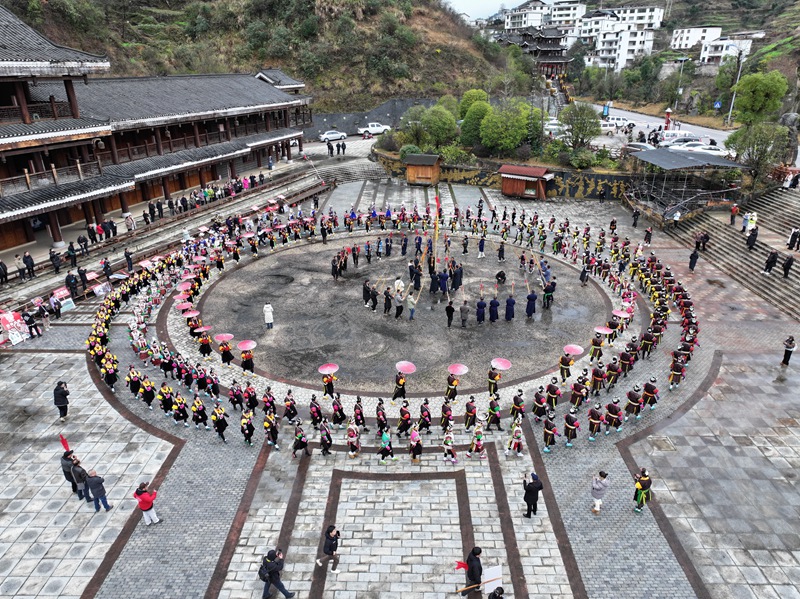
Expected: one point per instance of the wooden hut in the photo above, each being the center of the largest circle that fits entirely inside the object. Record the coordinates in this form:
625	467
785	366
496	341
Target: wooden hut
524	181
422	169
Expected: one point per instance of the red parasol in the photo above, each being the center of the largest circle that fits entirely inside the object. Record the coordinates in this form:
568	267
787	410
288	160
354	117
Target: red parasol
222	337
501	364
271	208
248	234
328	368
199	258
203	329
187	277
91	276
457	369
146	264
603	330
246	344
185	286
405	367
184	306
621	313
64	443
191	313
573	350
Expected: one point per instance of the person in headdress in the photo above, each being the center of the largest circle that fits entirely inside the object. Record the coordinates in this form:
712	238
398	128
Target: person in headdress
650	393
380	417
327	385
563	365
553	393
595	421
571	426
220	421
404	423
634	404
452	387
271	427
205	346
180	412
353	439
315	410
148	392
515	444
358	415
247	427
385	450
642	493
399	386
247	362
134	381
199	416
517	406
613	416
300	439
325	439
165	396
415	445
493	414
290	413
550	432
470	413
339	416
539	405
476	445
448	444
493	377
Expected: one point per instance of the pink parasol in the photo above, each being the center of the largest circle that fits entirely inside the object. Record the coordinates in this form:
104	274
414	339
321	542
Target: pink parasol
328	368
91	276
183	306
156	258
199	258
146	264
255	208
248	234
309	219
281	226
191	313
281	197
573	350
222	337
187	277
267	230
603	330
246	344
457	369
272	201
203	329
501	364
185	286
182	296
405	367
203	229
271	208
621	314
294	221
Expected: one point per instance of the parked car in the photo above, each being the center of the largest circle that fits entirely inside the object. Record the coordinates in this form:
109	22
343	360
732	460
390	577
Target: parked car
701	148
332	135
607	128
374	128
674	134
620	121
678	141
637	146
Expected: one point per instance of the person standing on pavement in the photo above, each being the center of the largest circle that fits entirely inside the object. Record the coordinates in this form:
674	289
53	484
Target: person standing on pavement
271	567
636	214
474	572
464	310
450	311
600	485
751	239
61	401
642	493
30	321
27	259
80	475
788	347
693	257
532	489
268	316
95	485
772	262
787	265
66	468
145	497
129	259
330	549
20	267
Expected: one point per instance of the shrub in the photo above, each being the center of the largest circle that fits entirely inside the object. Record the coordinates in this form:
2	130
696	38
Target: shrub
409	149
582	158
524	152
388	142
453	154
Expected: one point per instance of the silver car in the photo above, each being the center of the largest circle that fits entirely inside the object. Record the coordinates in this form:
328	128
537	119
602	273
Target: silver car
332	135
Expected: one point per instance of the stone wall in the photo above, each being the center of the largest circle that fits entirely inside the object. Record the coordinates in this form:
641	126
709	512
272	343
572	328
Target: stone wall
388	113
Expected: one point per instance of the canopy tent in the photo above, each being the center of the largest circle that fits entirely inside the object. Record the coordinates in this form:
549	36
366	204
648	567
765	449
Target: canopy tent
674	160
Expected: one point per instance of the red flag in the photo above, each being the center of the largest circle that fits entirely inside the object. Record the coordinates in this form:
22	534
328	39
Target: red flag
438	203
64	443
461	565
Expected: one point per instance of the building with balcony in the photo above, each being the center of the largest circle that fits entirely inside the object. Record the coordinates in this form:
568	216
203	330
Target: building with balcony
618	36
545	45
566	13
715	51
74	146
683	39
530	14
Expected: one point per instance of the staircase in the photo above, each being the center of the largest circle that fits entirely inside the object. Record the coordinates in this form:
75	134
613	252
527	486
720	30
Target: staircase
727	250
778	210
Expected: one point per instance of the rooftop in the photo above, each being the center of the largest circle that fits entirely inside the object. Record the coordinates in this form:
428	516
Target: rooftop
421	159
279	79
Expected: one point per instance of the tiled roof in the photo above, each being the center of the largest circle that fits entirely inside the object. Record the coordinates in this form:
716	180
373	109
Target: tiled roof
523	171
39	128
127	101
421	159
124	177
279	79
24	52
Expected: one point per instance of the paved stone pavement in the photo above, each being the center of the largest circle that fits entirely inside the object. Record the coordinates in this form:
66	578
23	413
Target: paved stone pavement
737	542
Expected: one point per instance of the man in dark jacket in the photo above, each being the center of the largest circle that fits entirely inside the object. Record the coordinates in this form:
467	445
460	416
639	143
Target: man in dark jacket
27	260
273	564
66	468
71	281
98	491
33	326
330	549
474	572
532	489
81	476
3	272
60	399
787	265
55	259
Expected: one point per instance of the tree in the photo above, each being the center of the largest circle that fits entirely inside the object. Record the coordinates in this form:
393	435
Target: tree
760	147
581	123
471	127
450	103
440	125
468	99
504	129
759	95
726	78
412	115
577	52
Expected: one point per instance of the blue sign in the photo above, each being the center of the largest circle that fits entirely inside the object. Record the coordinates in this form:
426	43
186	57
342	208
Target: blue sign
717	104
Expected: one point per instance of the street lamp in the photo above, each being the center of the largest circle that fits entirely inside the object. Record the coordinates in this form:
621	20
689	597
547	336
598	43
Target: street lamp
682	60
739	74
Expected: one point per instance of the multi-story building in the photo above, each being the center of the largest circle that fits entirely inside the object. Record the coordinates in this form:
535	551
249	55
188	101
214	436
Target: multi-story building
618	48
715	51
618	36
544	44
76	147
566	13
530	14
683	39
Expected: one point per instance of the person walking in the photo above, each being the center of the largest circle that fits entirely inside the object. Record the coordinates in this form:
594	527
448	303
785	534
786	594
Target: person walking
642	493
270	573
330	549
66	468
95	485
61	401
411	303
693	257
532	489
30	321
464	310
788	347
474	572
787	265
600	485
772	262
146	497
450	311
751	239
268	317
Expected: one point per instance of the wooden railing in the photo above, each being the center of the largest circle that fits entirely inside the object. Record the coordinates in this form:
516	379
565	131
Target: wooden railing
53	176
43	110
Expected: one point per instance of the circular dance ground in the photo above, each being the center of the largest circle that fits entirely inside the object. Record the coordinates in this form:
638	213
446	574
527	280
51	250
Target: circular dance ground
320	320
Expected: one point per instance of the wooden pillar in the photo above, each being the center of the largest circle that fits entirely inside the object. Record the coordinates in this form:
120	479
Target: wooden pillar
228	129
85	154
286	117
98	211
202	178
267	120
196	130
87	212
55	229
165	188
22	101
39	160
300	144
159	143
123	204
145	187
215	172
182	180
72	98
232	168
258	157
288	151
114	152
53	109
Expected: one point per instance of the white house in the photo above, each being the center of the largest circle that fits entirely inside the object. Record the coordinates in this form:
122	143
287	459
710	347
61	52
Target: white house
530	14
566	13
617	36
715	51
683	39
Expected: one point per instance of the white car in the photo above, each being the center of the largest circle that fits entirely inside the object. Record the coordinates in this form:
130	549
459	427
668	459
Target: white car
332	135
619	121
374	129
702	148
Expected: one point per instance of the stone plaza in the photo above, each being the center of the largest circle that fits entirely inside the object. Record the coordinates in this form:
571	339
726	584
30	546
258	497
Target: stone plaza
721	449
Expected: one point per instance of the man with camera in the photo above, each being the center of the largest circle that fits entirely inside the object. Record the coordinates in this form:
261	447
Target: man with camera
330	549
